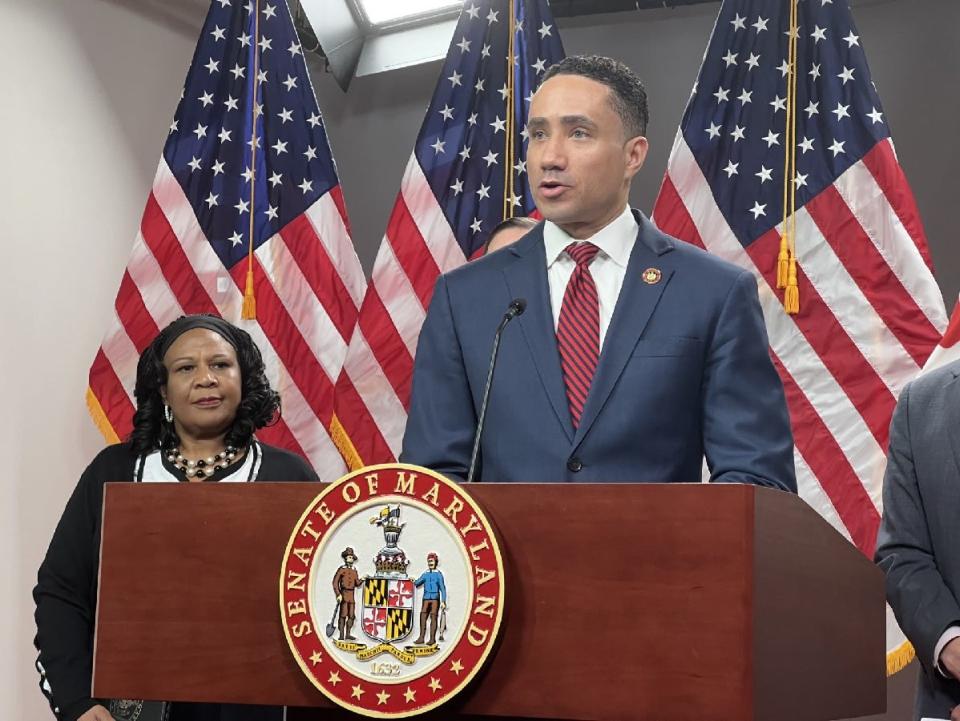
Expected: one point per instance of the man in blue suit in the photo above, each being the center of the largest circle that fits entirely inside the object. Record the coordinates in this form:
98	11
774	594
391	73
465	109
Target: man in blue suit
637	354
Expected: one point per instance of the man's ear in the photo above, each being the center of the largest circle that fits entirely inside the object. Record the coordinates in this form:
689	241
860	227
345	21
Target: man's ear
636	151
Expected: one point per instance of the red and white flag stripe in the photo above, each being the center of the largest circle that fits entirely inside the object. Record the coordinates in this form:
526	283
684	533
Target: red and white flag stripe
374	385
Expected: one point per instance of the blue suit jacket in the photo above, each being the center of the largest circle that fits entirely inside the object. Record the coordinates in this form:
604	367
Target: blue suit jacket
684	371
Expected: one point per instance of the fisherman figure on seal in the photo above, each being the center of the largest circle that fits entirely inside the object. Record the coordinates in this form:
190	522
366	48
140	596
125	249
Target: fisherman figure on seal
434	598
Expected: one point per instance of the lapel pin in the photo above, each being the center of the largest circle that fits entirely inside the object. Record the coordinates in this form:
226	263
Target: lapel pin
651	276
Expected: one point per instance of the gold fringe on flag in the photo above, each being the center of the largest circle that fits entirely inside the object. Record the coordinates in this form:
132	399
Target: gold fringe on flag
899	658
341	439
100	419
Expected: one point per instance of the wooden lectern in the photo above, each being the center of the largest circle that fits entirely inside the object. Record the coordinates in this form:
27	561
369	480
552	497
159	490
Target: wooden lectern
650	602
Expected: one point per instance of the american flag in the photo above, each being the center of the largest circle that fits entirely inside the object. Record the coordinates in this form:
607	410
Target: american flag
193	251
456	189
870	311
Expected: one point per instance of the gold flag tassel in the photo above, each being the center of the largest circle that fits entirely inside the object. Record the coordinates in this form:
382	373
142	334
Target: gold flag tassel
787	257
783	262
249	309
791	296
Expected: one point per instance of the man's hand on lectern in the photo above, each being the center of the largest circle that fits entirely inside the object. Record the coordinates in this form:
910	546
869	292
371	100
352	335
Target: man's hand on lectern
97	713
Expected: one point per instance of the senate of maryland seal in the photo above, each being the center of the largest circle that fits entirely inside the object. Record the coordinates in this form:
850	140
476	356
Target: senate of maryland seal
392	590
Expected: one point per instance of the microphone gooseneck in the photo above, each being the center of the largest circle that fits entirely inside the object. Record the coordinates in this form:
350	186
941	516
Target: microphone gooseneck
516	307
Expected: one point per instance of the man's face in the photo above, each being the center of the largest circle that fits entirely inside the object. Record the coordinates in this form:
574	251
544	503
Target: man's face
579	157
432	563
349	560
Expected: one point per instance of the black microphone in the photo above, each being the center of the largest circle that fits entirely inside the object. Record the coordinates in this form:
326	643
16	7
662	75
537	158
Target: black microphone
516	307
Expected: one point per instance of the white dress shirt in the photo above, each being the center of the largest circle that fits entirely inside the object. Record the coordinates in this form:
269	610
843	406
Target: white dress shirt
608	268
947	636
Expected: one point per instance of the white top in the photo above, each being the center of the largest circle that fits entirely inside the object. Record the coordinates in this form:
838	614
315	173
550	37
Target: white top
608	268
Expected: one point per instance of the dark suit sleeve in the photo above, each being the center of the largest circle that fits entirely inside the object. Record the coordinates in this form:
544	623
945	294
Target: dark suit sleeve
746	427
442	420
916	591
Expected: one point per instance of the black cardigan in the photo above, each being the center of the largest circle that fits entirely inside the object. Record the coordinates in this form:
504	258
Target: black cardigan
66	591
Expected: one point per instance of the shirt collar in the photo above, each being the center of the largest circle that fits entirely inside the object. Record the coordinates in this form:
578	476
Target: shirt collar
615	240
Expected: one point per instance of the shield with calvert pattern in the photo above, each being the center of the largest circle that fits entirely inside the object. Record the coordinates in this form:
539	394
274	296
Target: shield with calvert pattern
387	608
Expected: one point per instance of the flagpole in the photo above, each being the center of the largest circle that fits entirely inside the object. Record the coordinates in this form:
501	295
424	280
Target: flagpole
249	309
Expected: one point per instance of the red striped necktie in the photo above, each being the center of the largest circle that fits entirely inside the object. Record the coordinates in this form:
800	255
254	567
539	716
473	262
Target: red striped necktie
578	331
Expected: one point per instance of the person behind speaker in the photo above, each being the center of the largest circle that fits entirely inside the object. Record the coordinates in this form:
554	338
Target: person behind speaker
637	355
201	393
509	232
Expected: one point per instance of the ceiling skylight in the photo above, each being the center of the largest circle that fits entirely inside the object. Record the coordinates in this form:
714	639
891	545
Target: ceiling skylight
379	13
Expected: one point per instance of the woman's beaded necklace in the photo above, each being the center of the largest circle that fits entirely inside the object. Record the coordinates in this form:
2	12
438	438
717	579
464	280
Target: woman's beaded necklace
202	467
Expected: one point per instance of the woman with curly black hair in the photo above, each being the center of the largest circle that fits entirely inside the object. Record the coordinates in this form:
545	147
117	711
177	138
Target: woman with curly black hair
201	393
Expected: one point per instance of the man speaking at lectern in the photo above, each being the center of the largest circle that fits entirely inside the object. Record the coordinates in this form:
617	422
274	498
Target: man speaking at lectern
636	355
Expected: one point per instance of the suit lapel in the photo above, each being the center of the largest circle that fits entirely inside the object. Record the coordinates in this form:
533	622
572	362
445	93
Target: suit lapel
636	304
527	278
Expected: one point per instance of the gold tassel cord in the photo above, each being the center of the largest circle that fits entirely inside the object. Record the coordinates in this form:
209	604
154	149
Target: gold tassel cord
786	258
783	257
508	145
791	296
508	138
249	309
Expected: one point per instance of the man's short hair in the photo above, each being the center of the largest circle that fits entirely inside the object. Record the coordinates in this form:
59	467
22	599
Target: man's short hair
626	90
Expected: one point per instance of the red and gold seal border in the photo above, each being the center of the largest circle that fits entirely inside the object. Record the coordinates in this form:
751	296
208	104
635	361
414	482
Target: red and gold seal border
302	628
